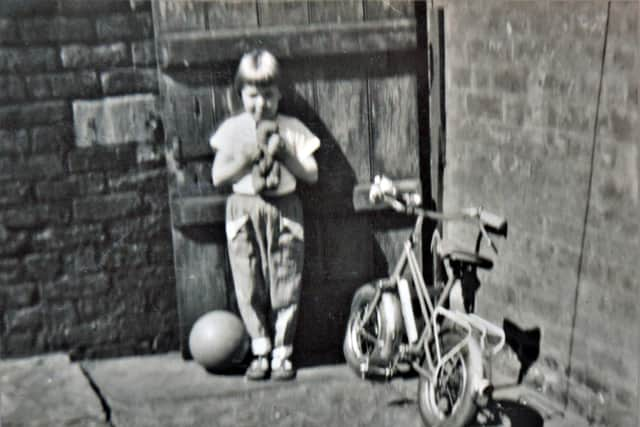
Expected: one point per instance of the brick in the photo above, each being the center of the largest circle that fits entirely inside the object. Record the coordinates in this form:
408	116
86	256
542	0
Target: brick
37	167
19	8
101	56
41	113
64	85
569	118
21	218
68	237
8	31
15	243
74	286
622	124
150	227
515	113
83	7
102	158
125	27
51	139
14	141
589	20
114	120
484	106
624	59
129	80
11	89
56	29
19	296
161	252
122	256
99	208
60	315
489	49
143	53
461	77
36	216
153	181
81	261
11	271
26	319
511	80
480	78
157	203
74	186
36	59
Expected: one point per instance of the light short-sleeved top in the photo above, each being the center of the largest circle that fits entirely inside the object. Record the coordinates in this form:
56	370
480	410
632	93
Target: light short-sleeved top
241	129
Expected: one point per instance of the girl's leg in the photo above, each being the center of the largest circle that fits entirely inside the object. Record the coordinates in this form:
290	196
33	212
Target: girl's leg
286	254
244	245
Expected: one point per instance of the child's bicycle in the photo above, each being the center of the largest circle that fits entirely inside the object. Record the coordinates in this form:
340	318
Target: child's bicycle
446	346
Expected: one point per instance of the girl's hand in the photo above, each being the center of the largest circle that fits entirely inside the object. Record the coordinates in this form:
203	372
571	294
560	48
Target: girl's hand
277	147
251	152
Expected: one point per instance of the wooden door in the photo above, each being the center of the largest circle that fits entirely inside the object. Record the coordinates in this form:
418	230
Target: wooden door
355	74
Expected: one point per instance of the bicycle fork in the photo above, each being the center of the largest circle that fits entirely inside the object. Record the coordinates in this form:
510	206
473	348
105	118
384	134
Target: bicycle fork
469	322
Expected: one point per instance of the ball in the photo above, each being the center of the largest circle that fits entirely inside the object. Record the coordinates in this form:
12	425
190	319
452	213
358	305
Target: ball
218	339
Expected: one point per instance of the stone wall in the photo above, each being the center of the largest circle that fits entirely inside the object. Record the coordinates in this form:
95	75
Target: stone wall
522	91
85	246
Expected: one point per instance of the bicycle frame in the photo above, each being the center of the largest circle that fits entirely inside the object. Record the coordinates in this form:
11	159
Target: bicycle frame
418	343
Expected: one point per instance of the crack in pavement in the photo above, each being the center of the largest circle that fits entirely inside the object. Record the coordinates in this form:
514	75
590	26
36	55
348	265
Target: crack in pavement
96	389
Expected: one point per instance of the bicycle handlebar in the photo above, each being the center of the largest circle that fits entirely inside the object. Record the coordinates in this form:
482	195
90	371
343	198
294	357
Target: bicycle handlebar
383	189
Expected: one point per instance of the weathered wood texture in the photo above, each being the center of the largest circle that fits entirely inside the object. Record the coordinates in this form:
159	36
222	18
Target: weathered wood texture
287	41
201	275
351	75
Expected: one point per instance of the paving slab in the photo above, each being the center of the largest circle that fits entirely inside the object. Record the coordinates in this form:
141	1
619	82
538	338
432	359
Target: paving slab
47	391
165	390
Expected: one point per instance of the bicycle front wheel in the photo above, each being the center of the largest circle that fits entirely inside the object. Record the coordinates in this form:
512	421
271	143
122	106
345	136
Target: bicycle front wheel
447	399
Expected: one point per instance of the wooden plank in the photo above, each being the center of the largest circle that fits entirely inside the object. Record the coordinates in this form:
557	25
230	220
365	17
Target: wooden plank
187	102
388	9
198	210
394	118
224	14
183	15
292	12
206	47
437	117
342	107
336	11
201	275
195	179
349	248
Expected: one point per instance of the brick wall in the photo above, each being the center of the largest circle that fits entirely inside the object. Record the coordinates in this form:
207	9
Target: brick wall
522	83
85	244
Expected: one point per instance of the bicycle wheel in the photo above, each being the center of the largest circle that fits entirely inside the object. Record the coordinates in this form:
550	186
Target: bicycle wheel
448	399
376	342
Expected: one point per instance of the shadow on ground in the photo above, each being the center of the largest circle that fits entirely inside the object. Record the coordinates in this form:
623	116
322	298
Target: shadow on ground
509	413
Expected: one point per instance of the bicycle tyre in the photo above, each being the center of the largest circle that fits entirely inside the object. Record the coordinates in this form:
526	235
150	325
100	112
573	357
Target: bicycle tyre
467	363
385	325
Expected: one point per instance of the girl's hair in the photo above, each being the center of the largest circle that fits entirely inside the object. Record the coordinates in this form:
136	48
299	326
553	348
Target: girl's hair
258	67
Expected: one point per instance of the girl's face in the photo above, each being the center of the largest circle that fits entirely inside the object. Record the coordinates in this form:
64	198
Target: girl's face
260	101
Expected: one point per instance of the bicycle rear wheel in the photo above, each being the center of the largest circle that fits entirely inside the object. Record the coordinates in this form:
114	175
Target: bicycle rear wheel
375	343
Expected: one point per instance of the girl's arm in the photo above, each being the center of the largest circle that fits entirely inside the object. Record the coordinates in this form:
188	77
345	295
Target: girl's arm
305	169
229	165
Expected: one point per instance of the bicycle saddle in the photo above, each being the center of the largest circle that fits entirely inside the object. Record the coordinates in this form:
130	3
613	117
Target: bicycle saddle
456	254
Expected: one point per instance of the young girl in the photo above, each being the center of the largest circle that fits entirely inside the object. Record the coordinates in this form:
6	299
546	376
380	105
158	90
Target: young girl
263	154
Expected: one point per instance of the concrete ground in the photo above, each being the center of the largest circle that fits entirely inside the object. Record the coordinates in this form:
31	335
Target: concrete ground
164	390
